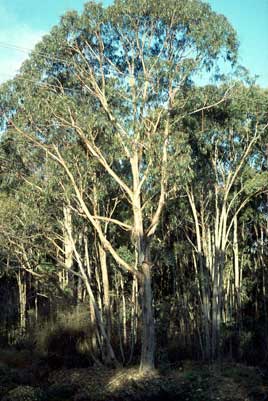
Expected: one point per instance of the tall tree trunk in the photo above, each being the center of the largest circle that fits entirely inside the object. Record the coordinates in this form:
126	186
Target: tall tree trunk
95	336
22	287
134	317
124	310
106	289
202	263
236	270
142	244
67	246
217	302
205	306
147	362
119	315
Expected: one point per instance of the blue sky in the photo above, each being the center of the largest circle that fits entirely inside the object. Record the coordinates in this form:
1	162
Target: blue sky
23	22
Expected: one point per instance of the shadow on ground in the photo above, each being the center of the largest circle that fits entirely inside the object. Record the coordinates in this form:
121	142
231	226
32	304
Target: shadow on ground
25	378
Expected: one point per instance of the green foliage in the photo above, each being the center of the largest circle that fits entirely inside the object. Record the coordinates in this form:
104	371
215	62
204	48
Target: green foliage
126	254
257	183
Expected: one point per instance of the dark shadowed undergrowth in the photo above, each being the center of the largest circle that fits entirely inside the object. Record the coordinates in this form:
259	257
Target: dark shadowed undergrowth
27	377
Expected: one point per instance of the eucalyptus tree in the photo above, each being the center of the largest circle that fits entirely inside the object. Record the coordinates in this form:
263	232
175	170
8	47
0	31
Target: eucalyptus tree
29	219
227	175
115	80
20	240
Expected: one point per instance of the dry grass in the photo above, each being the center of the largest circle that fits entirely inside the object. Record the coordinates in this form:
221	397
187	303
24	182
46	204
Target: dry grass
75	320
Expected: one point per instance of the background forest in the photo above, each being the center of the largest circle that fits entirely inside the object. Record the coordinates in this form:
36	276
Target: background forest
133	200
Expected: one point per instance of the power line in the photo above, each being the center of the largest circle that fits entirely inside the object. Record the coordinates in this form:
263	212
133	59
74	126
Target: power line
43	84
15	47
48	56
11	76
26	50
6	45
